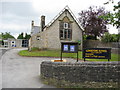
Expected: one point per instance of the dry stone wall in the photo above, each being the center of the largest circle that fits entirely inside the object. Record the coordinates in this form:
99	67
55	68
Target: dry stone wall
81	72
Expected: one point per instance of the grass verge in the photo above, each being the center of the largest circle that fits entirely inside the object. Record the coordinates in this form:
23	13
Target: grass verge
56	53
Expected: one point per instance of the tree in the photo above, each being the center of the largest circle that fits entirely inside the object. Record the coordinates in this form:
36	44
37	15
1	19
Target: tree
20	36
0	36
91	22
113	18
107	38
27	36
7	35
110	37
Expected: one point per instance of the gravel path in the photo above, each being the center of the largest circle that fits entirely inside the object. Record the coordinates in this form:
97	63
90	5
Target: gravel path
22	72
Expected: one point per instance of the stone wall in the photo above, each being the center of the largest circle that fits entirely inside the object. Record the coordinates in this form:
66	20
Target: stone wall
81	72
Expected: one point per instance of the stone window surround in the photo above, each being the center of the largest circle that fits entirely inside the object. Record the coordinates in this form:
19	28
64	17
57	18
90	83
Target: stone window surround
66	28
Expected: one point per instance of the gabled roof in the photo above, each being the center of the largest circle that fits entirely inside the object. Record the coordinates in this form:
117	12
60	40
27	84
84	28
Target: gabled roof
59	14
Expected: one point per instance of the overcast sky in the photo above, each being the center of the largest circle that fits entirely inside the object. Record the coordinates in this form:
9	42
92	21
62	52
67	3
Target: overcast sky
16	15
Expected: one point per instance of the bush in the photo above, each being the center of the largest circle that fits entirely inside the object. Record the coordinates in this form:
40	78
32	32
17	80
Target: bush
89	37
110	38
115	37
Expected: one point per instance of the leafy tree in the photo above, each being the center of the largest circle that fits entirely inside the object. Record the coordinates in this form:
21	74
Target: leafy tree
27	36
107	38
0	36
20	36
93	25
7	35
110	38
113	18
115	37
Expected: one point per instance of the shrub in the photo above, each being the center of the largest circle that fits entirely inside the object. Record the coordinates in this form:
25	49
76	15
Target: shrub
115	37
110	38
89	37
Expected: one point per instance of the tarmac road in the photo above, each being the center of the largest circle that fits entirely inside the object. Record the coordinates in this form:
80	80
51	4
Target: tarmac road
0	69
2	51
22	72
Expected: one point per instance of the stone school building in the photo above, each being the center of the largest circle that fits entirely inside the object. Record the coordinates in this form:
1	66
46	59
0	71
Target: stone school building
63	28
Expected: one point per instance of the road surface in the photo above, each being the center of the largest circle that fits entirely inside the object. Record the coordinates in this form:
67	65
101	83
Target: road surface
2	51
22	72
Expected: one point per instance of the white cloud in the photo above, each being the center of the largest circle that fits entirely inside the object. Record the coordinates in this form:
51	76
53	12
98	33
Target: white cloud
51	6
113	30
16	0
17	16
12	27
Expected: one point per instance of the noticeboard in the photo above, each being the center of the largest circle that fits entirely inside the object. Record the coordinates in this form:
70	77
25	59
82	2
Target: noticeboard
97	53
69	47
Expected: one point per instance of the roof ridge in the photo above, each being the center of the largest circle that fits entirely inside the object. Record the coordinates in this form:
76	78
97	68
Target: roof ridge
55	18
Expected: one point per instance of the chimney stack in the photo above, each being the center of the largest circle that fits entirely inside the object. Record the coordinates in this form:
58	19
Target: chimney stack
42	22
32	23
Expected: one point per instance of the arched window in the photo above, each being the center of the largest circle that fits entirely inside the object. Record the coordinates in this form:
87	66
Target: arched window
65	29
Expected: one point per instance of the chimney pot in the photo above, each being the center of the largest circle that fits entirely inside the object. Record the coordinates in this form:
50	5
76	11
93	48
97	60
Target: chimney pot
32	23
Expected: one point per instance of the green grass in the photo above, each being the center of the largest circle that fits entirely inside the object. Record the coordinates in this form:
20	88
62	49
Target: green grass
56	53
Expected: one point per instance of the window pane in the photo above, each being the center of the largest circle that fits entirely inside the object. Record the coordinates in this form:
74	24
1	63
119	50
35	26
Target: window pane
69	34
65	25
61	34
65	33
65	30
69	25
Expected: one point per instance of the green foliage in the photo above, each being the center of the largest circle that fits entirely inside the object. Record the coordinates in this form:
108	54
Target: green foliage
107	38
115	37
110	38
89	37
84	37
79	42
113	18
7	35
27	36
22	37
0	36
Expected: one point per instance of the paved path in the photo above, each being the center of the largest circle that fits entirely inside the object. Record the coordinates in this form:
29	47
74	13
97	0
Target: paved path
22	72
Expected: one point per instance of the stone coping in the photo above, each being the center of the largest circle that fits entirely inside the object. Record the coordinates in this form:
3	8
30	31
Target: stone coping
83	63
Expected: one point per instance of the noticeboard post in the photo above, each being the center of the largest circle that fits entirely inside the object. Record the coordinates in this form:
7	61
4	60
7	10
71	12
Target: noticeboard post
69	47
97	53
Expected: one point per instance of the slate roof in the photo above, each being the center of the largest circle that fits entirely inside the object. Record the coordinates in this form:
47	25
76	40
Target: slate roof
35	30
